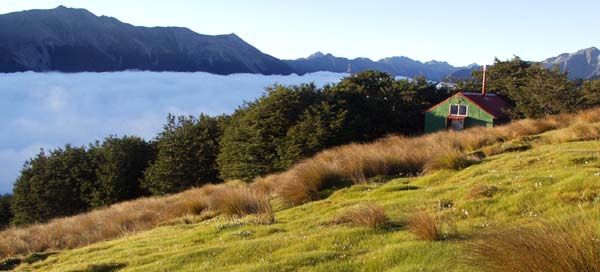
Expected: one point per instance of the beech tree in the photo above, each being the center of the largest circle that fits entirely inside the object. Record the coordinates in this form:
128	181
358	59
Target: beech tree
120	165
54	185
186	154
250	143
6	214
532	90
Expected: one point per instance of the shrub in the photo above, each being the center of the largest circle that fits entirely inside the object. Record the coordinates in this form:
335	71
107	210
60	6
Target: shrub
425	226
368	215
570	246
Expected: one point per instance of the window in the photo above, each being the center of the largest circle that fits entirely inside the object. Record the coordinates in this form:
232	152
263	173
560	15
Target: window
458	110
462	110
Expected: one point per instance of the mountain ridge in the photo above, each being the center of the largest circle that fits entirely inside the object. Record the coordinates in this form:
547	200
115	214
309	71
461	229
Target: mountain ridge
76	40
396	65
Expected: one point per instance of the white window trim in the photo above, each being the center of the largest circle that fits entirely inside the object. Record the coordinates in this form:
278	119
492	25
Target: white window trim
450	110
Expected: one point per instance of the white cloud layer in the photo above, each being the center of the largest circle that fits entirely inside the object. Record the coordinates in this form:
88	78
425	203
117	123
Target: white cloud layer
52	109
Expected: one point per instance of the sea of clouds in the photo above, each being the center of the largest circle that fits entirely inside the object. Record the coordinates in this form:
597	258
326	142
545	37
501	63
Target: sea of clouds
49	110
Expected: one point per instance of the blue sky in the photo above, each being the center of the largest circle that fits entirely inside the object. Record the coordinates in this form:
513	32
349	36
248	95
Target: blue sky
460	32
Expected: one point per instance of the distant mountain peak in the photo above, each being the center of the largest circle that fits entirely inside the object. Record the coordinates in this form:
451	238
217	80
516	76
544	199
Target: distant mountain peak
584	63
62	8
316	55
590	49
436	62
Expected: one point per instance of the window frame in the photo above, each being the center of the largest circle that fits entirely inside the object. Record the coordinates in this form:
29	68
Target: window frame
458	110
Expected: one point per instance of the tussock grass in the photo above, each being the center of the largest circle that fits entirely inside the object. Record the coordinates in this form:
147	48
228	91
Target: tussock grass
556	247
368	215
231	199
502	147
240	201
401	156
112	222
448	158
425	226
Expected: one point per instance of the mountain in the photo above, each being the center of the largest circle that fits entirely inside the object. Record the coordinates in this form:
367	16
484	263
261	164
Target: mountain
465	72
583	64
75	40
398	66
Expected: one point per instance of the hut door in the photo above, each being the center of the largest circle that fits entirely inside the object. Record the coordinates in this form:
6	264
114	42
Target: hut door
457	124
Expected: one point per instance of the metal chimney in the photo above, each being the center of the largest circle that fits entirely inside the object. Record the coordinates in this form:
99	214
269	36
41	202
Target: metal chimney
484	80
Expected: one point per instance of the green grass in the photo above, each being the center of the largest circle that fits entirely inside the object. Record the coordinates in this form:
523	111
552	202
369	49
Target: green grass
553	182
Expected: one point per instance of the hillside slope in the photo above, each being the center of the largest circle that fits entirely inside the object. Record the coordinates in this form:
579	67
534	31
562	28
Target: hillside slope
555	182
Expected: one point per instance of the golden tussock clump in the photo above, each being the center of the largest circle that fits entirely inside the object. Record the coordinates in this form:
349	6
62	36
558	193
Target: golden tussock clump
368	215
568	246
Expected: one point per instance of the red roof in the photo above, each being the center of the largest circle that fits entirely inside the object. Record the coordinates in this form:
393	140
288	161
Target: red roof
491	103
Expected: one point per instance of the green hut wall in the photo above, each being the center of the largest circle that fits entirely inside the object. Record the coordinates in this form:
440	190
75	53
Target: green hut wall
436	118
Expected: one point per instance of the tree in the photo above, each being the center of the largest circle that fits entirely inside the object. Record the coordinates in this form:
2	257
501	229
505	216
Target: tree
120	167
376	104
6	214
54	185
250	143
316	130
545	92
530	89
187	150
590	93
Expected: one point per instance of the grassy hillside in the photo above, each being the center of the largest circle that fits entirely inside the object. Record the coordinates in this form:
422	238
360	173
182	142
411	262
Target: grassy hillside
539	180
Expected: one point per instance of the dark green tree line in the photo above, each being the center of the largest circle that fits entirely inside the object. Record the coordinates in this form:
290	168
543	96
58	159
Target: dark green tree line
292	123
72	180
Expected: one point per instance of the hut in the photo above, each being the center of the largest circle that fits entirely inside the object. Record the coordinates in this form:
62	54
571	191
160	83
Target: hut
466	109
